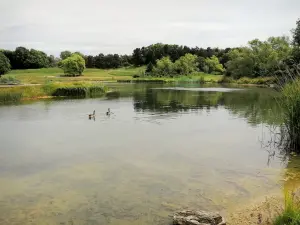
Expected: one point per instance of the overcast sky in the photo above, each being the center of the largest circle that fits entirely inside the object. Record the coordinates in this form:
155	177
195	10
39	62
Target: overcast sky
119	26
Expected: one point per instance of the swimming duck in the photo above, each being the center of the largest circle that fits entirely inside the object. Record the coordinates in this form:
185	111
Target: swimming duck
108	112
92	115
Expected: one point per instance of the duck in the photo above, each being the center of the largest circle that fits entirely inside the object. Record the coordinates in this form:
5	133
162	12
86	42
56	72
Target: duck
92	115
108	112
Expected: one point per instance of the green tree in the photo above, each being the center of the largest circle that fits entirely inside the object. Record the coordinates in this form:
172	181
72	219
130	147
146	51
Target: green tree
36	59
53	61
186	64
21	54
73	65
164	67
65	54
149	68
295	57
259	58
214	65
241	63
296	34
201	63
4	64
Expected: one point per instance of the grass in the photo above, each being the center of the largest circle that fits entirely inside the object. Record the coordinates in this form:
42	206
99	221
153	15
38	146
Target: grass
193	78
251	81
291	213
52	89
9	80
7	96
290	130
40	76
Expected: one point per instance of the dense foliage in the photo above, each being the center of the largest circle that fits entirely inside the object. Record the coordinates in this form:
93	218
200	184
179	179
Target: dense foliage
259	58
74	65
4	64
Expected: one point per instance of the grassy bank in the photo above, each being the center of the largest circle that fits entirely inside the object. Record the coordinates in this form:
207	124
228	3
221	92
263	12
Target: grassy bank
40	76
52	89
130	74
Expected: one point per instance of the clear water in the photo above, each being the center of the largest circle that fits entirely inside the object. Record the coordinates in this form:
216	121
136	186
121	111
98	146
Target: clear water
162	149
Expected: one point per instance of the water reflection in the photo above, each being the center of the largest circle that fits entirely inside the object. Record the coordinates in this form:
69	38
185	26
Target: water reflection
139	165
256	105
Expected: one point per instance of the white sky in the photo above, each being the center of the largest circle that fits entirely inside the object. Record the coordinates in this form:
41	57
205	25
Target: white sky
119	26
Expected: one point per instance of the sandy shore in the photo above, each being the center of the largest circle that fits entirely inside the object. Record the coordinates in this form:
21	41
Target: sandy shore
261	211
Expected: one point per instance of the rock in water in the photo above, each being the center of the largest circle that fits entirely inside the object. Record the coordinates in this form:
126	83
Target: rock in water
190	217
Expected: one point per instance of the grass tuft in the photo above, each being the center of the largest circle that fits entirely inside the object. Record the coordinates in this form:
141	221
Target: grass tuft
291	213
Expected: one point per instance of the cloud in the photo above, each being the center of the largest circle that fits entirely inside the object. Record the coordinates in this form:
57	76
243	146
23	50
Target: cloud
118	26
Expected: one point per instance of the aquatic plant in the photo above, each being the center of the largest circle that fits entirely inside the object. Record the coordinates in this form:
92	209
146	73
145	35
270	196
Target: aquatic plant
6	97
71	92
290	129
291	213
95	91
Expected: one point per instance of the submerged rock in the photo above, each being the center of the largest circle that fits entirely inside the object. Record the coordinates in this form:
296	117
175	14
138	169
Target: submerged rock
191	217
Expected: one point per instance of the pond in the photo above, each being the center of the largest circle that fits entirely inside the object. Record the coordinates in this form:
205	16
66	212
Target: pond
162	149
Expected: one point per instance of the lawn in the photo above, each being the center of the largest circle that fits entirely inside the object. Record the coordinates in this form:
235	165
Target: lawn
40	76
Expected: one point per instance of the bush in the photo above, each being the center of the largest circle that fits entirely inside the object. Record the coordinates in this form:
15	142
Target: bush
9	80
95	91
4	64
73	65
70	92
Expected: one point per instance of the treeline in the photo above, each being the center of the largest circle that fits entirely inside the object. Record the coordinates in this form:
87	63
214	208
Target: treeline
152	53
23	58
258	58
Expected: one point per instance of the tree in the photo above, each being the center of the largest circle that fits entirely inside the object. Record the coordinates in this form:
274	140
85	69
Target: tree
201	63
11	56
73	65
4	64
90	61
295	57
149	68
241	63
186	64
65	54
20	56
53	61
259	58
36	59
214	65
164	67
296	34
137	57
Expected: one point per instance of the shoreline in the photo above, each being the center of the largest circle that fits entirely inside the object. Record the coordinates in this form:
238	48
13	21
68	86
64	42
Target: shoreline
262	211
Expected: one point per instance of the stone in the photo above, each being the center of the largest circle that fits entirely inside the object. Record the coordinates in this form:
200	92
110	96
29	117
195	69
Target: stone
192	217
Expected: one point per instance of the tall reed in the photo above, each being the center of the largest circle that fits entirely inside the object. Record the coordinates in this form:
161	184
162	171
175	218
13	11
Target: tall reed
290	103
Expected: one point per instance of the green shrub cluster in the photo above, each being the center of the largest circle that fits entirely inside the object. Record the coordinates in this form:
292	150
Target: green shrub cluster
9	80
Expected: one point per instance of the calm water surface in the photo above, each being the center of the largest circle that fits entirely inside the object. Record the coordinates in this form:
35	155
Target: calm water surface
163	149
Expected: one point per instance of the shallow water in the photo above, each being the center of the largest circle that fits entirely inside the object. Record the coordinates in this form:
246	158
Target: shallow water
162	149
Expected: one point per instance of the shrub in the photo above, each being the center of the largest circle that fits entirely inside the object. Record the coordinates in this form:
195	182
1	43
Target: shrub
4	64
9	80
95	91
71	92
73	65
